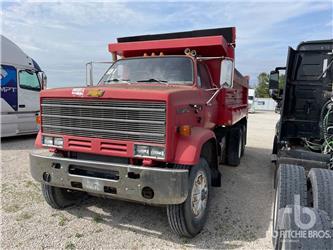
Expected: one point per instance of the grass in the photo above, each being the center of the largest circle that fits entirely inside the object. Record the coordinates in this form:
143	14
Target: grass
62	220
99	230
97	218
70	245
32	184
24	216
12	208
78	235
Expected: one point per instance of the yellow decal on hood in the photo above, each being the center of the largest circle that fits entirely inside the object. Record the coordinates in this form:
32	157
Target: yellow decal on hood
95	92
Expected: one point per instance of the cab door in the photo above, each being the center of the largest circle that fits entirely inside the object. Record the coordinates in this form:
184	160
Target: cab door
9	105
28	100
207	91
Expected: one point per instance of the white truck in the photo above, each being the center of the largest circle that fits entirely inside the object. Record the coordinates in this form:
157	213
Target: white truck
21	81
251	100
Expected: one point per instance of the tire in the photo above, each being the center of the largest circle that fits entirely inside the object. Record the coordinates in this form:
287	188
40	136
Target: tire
321	190
234	148
182	218
244	134
313	220
275	146
291	181
59	198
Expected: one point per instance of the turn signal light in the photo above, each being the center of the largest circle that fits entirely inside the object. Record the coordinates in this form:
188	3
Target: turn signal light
185	130
38	119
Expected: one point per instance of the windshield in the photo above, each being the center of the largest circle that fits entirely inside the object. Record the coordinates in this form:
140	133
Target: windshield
164	69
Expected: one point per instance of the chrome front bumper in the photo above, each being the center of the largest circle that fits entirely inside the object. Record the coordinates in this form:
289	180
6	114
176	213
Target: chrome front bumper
170	186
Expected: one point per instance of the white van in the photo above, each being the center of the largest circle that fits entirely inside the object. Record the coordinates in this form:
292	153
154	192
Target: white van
21	81
251	100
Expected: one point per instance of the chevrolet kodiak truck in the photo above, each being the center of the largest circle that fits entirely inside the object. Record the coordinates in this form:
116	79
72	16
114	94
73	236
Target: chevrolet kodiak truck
153	130
303	149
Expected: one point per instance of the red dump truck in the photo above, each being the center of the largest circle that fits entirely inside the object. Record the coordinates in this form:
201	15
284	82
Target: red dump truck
153	130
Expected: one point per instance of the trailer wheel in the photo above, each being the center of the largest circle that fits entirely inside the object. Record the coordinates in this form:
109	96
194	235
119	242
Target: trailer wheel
59	198
234	148
320	190
291	181
188	219
304	228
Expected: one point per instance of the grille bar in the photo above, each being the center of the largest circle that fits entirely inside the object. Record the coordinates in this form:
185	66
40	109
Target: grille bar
104	119
111	119
103	107
103	130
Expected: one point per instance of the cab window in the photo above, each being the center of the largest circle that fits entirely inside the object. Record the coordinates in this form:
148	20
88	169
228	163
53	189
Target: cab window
29	80
203	77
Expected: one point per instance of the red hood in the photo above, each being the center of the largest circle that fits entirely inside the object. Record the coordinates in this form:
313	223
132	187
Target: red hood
124	91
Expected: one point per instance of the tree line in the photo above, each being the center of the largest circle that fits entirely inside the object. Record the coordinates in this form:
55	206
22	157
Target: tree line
261	89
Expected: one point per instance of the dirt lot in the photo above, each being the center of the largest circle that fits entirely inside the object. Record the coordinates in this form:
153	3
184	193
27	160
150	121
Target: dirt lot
240	212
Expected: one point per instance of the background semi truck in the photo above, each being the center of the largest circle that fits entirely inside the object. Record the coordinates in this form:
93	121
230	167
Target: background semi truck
153	130
21	81
303	147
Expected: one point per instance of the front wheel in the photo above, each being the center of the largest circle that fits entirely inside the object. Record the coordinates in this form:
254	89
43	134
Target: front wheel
59	198
188	219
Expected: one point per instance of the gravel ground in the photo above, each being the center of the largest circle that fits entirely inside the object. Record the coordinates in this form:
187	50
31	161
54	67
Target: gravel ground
240	212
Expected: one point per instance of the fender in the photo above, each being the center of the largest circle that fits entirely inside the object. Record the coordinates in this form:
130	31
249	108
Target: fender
38	141
188	149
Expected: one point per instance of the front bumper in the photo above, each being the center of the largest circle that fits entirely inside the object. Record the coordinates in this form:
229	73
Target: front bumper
170	186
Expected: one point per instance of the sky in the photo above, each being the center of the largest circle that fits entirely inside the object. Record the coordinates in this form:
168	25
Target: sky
63	36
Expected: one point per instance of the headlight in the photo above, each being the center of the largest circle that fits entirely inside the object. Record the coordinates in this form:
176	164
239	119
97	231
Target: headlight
53	141
157	152
149	151
58	141
48	140
141	150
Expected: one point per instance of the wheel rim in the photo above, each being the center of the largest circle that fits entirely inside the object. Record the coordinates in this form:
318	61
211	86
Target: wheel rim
199	195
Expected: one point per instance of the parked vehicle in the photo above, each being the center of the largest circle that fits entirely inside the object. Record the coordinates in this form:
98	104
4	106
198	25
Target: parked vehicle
21	81
154	129
303	147
251	100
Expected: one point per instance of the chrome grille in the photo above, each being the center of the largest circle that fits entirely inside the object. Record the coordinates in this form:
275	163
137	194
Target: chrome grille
111	119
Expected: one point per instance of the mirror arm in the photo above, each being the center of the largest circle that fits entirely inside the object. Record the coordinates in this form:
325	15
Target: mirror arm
208	103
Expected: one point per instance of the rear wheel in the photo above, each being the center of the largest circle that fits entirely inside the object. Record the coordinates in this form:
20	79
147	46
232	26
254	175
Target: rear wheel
291	189
310	229
234	148
244	133
320	183
188	219
59	198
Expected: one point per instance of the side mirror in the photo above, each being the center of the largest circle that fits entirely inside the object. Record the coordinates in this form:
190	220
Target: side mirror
226	73
274	80
43	79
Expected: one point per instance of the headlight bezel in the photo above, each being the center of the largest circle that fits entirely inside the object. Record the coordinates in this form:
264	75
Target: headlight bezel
49	141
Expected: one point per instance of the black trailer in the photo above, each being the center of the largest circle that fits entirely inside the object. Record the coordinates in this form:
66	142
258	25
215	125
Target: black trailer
303	149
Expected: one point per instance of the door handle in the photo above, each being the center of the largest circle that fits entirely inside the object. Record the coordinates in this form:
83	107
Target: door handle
22	106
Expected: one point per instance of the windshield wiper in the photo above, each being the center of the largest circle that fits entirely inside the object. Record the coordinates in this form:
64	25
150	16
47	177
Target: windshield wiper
117	80
153	80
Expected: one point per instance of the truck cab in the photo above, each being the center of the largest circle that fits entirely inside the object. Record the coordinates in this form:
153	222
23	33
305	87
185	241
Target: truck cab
153	129
21	81
251	100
